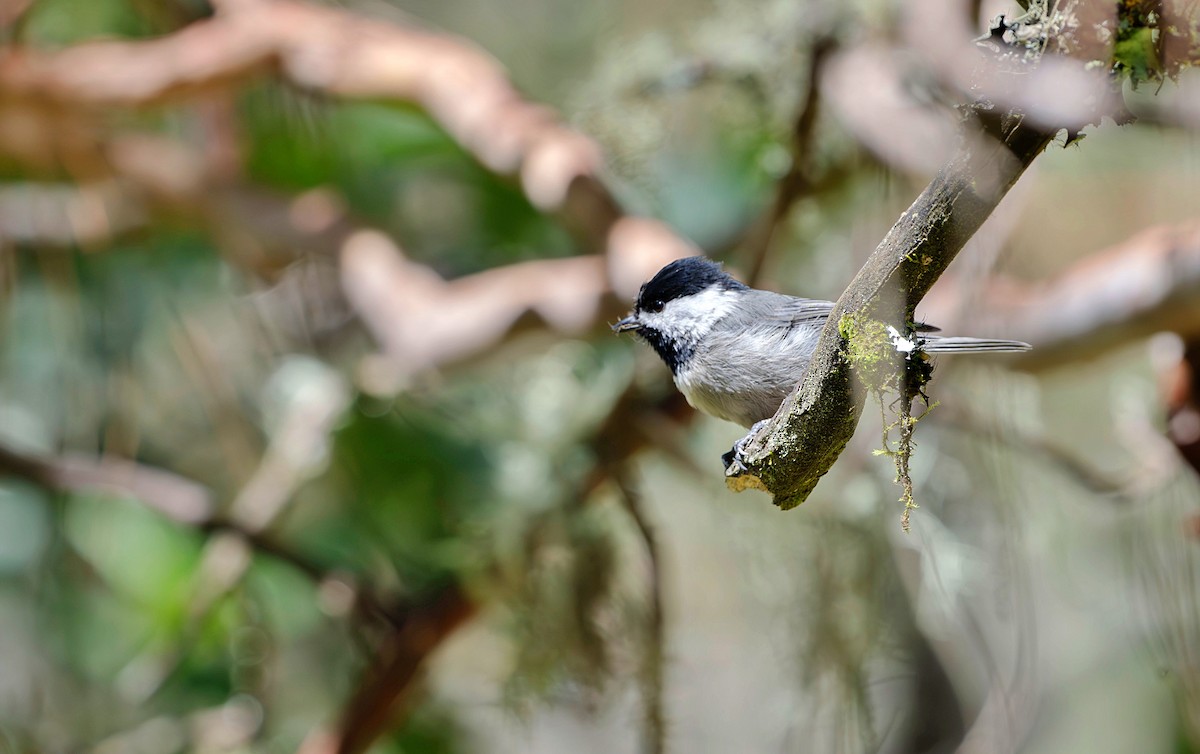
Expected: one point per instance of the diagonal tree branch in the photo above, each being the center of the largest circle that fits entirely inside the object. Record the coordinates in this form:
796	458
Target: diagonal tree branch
795	448
1035	80
378	704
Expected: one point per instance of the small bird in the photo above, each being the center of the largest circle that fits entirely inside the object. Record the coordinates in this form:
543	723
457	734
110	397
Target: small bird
736	352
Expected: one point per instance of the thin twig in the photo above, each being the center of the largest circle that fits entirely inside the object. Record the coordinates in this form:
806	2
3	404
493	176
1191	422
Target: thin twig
174	496
797	182
655	734
377	704
177	498
1036	446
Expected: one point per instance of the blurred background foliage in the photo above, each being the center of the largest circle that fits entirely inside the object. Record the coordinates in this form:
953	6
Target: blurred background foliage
126	630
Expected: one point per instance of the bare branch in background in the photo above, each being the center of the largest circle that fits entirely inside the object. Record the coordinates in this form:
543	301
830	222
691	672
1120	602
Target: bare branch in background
654	735
378	703
421	321
417	629
204	55
1066	89
1148	284
341	54
67	215
178	498
798	181
866	88
175	497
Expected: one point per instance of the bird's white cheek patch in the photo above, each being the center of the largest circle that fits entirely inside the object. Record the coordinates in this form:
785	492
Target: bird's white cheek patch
691	317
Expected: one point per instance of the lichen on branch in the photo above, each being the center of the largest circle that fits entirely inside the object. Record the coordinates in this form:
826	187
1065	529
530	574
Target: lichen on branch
799	445
1006	125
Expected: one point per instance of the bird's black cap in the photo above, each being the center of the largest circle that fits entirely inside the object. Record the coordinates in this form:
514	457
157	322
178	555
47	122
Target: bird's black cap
683	277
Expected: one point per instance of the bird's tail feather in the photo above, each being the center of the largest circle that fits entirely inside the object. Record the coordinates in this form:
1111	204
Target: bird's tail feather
973	345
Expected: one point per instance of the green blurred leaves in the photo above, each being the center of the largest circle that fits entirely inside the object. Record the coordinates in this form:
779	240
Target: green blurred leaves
62	22
401	173
135	552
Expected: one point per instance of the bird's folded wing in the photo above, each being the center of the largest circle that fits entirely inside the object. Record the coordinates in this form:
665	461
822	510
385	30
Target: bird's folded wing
791	310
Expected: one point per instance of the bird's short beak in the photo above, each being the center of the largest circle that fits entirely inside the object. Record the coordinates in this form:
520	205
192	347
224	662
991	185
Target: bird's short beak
629	323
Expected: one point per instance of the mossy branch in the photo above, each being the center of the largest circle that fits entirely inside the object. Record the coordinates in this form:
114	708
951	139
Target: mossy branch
789	454
797	447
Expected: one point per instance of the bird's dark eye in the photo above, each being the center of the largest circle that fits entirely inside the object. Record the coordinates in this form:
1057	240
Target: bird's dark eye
655	305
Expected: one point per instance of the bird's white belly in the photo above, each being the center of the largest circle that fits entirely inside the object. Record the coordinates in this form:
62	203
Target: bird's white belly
723	402
744	395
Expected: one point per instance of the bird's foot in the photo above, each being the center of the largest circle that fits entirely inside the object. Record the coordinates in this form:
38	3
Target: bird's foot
734	460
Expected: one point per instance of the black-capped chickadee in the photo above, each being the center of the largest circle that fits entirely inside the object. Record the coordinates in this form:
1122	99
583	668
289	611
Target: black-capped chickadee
736	352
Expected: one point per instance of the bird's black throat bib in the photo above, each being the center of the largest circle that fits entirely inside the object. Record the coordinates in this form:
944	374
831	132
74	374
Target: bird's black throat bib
674	352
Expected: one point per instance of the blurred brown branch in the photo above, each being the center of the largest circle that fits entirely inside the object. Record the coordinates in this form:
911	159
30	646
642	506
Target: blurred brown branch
176	497
1145	285
798	181
377	705
416	628
868	88
898	98
338	53
1066	89
654	735
207	54
421	321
